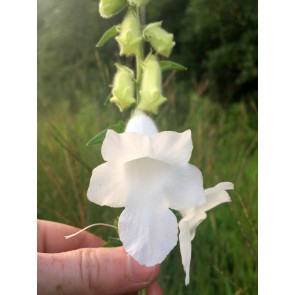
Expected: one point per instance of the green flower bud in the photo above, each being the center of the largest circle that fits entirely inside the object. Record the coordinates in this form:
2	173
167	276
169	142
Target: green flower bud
130	36
160	40
138	2
109	8
151	86
123	88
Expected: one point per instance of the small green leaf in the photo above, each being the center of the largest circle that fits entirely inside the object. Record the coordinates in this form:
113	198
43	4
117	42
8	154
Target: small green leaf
116	222
99	138
112	242
170	65
110	33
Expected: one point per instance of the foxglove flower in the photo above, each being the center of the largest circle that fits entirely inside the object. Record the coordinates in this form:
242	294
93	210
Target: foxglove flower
123	88
130	35
148	173
194	216
151	85
160	40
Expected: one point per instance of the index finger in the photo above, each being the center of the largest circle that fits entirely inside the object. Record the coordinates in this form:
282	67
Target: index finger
51	238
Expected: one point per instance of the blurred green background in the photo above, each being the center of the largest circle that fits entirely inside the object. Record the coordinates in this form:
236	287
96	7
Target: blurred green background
216	98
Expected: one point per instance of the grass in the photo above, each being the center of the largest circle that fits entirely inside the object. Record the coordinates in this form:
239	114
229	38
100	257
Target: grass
224	257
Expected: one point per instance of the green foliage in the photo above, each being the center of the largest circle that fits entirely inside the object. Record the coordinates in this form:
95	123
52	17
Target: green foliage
170	65
112	242
218	40
99	138
109	34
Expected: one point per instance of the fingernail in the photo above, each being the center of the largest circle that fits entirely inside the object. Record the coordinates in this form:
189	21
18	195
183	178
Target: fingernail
139	273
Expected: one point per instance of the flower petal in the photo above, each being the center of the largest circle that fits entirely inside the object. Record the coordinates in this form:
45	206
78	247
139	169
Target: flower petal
185	247
172	147
185	238
217	195
108	186
185	188
167	146
147	228
124	147
194	216
148	231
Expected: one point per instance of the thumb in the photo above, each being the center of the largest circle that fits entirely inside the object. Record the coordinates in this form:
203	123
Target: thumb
92	271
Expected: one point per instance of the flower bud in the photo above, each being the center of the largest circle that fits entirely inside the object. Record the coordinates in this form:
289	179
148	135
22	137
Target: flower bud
151	86
109	8
160	40
123	88
141	123
138	2
130	36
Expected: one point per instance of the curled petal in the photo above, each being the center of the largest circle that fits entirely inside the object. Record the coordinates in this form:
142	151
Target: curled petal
217	195
185	247
185	237
194	216
104	179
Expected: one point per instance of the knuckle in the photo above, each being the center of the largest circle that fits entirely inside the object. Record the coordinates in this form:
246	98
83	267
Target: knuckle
89	269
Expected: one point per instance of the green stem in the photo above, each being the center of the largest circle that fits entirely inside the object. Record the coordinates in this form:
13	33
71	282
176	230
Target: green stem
142	292
139	60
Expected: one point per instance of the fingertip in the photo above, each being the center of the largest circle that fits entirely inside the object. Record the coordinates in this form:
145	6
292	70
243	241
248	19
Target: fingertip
154	289
140	273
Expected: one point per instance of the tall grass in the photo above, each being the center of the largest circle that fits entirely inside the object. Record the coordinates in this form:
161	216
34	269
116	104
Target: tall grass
224	259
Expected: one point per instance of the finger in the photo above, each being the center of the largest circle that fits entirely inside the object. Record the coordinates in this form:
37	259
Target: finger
51	238
92	271
154	289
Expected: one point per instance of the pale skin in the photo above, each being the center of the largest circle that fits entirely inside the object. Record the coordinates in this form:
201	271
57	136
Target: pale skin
79	266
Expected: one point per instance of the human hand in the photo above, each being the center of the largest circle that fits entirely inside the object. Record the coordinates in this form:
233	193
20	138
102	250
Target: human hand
79	266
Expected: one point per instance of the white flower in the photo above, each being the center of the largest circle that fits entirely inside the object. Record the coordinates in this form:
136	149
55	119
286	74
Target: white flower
147	174
194	216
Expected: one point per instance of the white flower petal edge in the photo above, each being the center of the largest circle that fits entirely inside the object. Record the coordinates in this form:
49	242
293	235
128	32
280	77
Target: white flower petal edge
194	216
167	146
108	186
